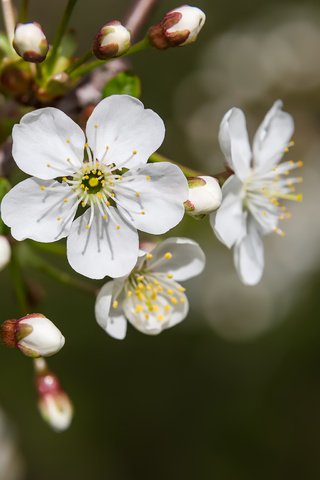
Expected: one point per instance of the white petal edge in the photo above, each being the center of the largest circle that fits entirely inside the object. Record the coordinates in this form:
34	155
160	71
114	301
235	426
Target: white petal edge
37	209
122	132
103	249
249	256
187	261
48	144
161	188
228	222
110	319
234	142
272	138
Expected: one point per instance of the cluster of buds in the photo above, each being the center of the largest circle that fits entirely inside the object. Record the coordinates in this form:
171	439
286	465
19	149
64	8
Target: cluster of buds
205	196
34	335
112	40
30	42
178	27
54	404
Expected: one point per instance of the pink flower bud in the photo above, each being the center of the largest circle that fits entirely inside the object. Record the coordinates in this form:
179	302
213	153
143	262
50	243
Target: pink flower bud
113	40
30	42
54	404
178	27
34	335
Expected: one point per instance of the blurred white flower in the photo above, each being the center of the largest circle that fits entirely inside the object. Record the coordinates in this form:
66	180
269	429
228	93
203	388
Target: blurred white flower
122	192
5	252
150	297
12	466
250	207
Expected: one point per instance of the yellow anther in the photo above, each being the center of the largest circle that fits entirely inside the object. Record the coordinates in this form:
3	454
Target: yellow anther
87	227
137	194
182	299
140	278
169	275
49	165
42	187
105	217
169	291
146	316
86	177
143	212
286	150
155	307
64	179
66	200
167	308
93	182
99	173
129	293
86	189
148	178
141	286
108	203
167	255
115	304
58	218
174	300
86	145
118	227
99	195
181	289
300	163
139	308
134	152
68	140
160	317
149	256
96	125
83	204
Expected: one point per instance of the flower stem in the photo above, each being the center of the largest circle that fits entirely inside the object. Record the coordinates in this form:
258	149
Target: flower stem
23	11
59	34
87	68
83	59
9	18
19	283
189	172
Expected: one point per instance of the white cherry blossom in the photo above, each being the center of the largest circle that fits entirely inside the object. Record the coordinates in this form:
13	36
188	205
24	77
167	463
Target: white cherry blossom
105	178
150	297
250	207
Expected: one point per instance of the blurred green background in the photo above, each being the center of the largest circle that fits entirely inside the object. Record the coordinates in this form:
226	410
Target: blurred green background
232	393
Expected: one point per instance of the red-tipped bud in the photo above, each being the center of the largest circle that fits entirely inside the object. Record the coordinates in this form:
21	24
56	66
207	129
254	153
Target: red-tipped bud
113	40
30	42
34	335
178	27
54	404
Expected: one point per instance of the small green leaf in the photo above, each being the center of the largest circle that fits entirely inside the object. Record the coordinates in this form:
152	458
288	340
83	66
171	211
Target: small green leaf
123	83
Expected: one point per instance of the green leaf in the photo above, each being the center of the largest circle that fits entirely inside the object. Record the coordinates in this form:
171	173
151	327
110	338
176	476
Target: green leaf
123	83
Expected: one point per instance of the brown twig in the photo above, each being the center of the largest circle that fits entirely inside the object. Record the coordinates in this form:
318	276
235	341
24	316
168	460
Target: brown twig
138	15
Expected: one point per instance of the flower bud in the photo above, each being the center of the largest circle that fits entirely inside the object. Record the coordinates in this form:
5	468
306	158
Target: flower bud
177	28
35	335
54	404
30	42
5	252
112	41
204	195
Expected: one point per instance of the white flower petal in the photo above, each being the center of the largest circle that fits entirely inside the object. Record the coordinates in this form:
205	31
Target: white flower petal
272	137
152	197
153	323
187	258
121	126
229	221
110	319
249	256
37	209
108	247
234	142
48	144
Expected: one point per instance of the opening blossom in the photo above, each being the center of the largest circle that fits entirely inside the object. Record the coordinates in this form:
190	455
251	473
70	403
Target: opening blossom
111	185
150	297
250	207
